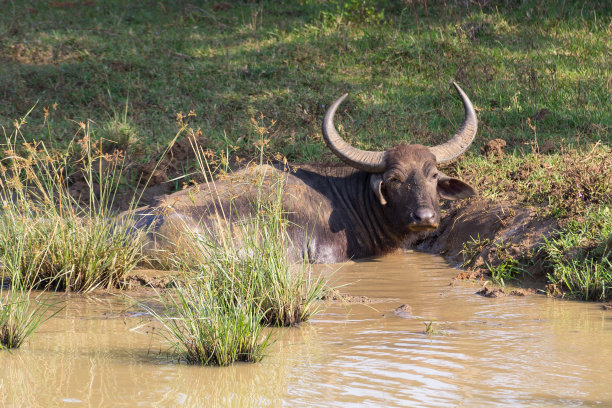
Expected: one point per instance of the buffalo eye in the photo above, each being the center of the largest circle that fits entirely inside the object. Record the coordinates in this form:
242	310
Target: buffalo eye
435	176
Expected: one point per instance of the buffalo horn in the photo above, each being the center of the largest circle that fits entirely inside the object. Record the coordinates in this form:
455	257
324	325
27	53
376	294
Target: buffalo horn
462	140
372	162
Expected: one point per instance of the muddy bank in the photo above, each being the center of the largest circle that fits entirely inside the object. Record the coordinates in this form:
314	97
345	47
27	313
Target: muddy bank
480	234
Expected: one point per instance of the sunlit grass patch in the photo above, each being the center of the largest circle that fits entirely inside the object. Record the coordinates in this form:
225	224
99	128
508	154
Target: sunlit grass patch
580	257
433	328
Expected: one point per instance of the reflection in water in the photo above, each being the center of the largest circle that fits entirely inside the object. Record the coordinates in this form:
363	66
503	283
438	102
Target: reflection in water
529	351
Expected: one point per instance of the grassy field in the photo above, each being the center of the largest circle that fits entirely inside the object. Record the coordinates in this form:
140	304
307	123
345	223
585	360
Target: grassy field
538	72
132	66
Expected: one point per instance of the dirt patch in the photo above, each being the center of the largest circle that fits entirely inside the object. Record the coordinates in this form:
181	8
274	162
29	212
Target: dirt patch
36	53
541	114
222	6
491	292
494	147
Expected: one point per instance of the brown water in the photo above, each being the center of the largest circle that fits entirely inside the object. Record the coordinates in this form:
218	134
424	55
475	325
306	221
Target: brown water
512	351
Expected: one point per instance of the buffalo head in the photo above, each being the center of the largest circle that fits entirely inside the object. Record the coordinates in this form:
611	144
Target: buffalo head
405	179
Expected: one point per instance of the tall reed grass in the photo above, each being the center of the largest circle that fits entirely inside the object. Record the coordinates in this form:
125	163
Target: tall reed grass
52	237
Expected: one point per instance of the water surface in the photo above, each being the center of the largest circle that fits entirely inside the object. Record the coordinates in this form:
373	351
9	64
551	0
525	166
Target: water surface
512	351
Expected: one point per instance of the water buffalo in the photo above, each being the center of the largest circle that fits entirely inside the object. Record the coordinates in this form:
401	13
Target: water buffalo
374	205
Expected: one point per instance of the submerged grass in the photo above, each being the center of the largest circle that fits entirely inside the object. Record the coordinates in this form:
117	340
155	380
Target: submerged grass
50	235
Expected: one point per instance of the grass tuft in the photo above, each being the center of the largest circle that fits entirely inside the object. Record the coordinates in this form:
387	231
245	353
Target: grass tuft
432	328
20	316
580	257
208	327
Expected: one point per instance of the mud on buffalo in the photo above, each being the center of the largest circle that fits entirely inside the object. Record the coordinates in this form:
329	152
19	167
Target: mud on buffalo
375	203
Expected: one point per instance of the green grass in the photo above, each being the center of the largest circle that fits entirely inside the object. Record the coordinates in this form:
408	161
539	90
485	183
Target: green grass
509	269
208	327
432	328
564	183
287	60
581	256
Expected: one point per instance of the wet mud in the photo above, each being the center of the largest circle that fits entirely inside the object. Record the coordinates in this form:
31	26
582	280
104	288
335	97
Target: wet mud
506	351
482	232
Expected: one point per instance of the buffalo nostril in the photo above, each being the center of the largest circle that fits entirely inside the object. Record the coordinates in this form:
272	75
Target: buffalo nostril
424	215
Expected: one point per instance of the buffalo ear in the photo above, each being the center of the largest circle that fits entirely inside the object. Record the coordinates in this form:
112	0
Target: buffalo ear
376	185
453	189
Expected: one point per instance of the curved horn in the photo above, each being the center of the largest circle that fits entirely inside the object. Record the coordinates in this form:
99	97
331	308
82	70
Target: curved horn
462	140
373	162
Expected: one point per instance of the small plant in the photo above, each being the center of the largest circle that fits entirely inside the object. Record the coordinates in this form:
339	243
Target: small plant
118	131
472	248
432	328
508	269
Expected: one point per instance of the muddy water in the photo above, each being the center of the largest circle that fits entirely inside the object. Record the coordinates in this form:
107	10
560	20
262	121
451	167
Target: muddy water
513	351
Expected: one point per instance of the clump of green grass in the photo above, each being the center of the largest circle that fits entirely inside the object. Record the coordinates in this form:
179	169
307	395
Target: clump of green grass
57	232
211	327
256	267
508	269
472	248
20	316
